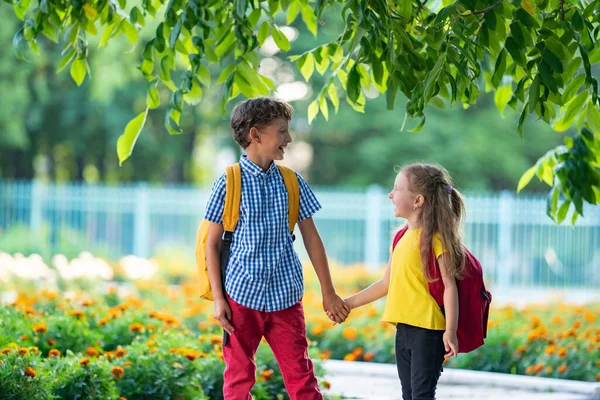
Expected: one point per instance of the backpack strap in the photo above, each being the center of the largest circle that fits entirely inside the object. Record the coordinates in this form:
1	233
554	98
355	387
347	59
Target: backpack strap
291	184
233	194
398	236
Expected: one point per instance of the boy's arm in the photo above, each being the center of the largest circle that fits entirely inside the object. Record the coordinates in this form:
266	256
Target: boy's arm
450	307
222	312
332	303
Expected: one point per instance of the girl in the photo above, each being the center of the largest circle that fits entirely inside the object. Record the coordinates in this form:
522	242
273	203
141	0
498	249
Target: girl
425	334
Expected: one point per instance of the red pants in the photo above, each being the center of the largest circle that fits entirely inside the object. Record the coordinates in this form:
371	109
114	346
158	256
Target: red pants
285	331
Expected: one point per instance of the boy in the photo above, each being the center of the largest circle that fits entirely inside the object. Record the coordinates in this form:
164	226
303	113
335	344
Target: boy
264	283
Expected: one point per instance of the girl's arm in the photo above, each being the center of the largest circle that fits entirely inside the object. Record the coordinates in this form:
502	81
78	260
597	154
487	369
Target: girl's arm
450	307
374	292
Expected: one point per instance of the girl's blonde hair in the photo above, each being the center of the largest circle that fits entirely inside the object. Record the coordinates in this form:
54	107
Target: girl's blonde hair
443	212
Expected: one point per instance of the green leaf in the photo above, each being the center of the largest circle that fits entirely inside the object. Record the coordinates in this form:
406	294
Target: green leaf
263	32
225	74
562	211
152	98
534	93
127	140
66	60
526	178
593	118
107	34
406	9
313	110
175	32
78	70
502	96
293	11
528	6
522	119
515	52
280	39
420	126
499	69
323	107
195	95
572	88
553	61
306	64
203	75
310	19
547	78
332	93
130	31
575	106
353	87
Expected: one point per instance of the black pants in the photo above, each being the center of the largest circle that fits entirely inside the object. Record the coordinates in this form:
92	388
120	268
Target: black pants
419	358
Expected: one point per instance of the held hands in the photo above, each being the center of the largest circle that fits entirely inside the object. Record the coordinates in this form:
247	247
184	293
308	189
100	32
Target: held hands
450	343
336	308
222	314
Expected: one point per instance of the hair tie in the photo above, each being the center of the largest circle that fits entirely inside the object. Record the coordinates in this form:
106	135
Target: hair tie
450	188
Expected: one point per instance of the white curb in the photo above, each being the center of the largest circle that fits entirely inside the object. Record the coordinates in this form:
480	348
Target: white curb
452	376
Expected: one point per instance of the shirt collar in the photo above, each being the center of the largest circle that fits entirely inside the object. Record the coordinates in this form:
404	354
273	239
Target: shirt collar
249	166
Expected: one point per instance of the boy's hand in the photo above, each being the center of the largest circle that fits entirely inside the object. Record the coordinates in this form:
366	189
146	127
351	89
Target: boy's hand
336	308
222	314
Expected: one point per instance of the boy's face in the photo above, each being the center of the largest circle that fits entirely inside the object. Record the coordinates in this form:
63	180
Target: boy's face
271	141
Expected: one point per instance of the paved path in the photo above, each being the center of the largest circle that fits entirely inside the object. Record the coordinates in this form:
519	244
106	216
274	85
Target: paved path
369	381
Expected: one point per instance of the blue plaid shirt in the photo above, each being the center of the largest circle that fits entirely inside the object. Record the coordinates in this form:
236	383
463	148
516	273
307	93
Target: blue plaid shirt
264	272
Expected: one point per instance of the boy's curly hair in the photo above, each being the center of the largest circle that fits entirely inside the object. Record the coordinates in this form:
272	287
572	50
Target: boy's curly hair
258	112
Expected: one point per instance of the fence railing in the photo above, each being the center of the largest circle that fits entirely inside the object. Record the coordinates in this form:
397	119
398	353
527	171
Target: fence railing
517	244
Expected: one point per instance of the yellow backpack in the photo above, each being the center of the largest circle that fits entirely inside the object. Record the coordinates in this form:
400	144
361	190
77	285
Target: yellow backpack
231	215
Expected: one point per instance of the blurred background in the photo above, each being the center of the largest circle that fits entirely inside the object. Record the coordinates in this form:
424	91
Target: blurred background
62	190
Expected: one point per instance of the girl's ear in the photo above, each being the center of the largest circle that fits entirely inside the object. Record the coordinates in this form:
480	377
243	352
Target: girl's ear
419	201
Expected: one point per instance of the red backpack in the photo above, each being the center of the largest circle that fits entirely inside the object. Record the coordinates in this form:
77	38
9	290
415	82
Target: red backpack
473	299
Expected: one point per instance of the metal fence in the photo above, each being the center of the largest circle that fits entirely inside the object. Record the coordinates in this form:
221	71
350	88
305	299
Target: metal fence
517	244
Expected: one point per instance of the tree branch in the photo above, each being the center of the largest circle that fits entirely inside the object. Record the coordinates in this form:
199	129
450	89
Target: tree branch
562	9
490	8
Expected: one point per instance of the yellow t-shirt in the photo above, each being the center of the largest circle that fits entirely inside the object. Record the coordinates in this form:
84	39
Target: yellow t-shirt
408	299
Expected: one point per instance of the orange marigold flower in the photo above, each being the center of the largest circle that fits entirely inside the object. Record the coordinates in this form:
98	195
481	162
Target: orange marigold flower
368	356
577	324
215	339
150	327
522	349
86	303
267	374
153	350
30	372
54	353
326	385
597	377
150	343
136	327
51	341
121	398
562	352
40	328
562	369
350	357
530	370
92	352
549	369
77	314
589	316
34	349
5	351
550	350
350	333
535	321
358	352
103	321
117	372
120	352
598	363
127	364
191	355
325	355
557	320
23	351
316	330
24	338
539	368
84	361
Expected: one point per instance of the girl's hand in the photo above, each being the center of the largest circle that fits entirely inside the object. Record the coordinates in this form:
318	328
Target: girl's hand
222	314
450	343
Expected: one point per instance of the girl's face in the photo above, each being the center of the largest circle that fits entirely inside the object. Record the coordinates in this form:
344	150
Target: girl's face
406	203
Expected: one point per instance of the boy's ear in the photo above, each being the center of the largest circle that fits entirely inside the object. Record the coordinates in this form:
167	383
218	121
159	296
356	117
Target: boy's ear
253	135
